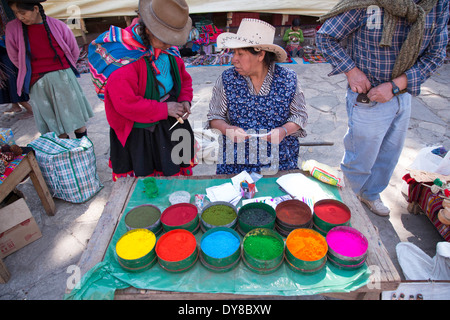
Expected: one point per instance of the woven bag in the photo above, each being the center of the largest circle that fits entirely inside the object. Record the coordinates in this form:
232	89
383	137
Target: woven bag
68	166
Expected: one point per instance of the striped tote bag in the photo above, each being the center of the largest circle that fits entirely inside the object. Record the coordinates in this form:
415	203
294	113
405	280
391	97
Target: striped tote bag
68	166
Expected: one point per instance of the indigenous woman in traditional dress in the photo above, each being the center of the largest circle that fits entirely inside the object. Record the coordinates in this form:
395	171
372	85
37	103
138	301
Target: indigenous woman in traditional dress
45	52
140	75
257	105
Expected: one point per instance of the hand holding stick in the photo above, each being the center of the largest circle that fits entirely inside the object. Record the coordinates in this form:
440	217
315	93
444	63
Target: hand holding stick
180	120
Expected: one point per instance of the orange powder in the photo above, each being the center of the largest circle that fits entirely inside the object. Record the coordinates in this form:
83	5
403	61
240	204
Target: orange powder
306	244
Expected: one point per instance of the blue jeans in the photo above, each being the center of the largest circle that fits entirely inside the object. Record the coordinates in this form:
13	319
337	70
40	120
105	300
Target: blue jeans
373	143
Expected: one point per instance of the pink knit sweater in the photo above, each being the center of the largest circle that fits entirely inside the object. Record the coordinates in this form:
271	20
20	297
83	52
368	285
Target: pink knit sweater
15	45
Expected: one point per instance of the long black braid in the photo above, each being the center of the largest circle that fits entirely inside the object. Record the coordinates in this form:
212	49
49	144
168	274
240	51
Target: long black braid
146	41
47	29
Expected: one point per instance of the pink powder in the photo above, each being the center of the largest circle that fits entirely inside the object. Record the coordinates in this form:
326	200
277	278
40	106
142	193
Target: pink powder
346	243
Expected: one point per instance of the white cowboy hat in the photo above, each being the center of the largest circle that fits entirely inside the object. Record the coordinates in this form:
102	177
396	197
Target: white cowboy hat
252	33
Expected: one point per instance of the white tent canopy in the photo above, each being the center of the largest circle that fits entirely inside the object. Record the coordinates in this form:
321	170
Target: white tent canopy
62	9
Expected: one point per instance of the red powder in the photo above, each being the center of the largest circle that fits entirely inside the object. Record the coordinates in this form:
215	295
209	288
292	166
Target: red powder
176	245
332	212
179	214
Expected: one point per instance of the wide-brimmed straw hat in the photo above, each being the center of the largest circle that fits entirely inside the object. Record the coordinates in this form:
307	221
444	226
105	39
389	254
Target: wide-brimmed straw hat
167	20
252	33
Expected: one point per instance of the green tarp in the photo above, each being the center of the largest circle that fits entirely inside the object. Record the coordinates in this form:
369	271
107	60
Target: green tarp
106	277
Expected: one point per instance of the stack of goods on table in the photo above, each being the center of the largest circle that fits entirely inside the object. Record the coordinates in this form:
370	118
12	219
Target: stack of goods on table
204	44
83	62
264	235
7	155
10	153
222	58
312	55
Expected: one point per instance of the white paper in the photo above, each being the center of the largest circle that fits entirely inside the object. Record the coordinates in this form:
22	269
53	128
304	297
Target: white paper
303	189
224	192
258	135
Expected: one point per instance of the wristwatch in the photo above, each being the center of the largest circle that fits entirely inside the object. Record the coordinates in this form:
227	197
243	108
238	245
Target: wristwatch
395	89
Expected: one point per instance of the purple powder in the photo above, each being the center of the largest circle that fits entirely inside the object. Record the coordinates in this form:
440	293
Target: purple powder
346	243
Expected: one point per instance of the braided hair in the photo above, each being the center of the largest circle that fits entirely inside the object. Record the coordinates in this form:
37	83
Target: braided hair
30	7
147	42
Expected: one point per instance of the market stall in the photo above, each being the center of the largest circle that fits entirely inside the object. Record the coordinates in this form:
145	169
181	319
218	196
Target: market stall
104	278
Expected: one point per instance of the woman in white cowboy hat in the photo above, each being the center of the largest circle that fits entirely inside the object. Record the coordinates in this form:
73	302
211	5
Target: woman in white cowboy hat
257	102
147	90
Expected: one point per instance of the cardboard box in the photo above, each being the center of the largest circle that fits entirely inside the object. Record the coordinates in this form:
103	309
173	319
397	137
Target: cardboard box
17	227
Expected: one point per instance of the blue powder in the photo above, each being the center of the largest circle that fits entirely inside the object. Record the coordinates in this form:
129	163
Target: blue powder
220	244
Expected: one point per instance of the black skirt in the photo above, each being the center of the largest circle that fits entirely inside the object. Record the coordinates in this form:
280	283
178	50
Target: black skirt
151	151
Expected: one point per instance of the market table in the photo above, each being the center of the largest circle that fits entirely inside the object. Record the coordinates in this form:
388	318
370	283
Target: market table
385	274
28	166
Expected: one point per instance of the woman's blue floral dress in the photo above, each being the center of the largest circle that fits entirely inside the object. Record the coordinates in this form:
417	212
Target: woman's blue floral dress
258	114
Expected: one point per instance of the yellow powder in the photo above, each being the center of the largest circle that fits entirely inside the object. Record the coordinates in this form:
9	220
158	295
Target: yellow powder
135	244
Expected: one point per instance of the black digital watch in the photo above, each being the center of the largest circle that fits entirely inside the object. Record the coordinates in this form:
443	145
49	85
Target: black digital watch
395	89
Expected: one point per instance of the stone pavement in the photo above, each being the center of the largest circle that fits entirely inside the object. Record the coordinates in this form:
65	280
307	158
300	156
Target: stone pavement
40	270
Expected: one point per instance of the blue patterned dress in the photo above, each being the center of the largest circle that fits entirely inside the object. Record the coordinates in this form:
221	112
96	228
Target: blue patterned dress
259	114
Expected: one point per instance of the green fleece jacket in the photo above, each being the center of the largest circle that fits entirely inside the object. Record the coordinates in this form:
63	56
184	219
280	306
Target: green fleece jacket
292	33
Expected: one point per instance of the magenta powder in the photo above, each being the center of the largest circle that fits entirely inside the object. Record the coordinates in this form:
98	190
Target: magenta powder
346	243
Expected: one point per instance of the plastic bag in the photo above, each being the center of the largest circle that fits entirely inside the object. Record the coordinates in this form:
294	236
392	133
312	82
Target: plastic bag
209	145
324	173
444	165
426	160
68	166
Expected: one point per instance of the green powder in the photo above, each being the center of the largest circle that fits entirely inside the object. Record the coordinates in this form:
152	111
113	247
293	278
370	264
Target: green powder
150	187
219	215
263	247
142	217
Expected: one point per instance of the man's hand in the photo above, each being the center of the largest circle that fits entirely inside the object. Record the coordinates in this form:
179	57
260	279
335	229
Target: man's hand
381	93
358	81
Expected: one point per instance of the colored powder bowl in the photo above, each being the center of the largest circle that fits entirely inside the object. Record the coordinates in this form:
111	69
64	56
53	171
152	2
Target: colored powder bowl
218	214
181	216
329	213
144	216
256	215
220	249
177	250
263	250
291	215
347	247
306	251
135	250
